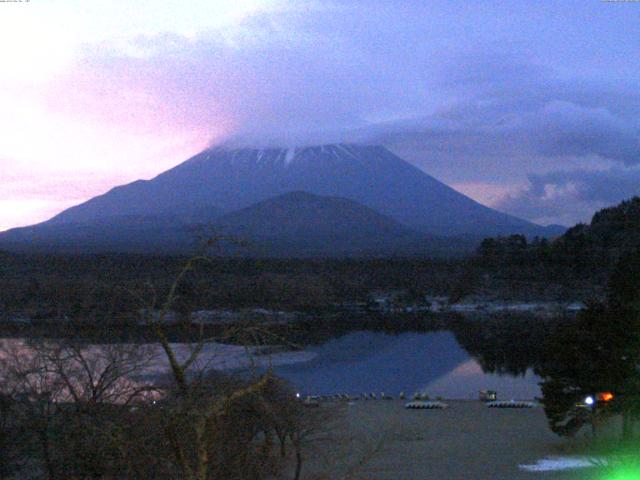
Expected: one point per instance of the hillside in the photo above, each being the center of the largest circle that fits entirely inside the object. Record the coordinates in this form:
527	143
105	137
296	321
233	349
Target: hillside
302	224
577	264
126	233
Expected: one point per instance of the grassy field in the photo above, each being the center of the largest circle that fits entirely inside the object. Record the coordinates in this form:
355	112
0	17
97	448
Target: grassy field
383	440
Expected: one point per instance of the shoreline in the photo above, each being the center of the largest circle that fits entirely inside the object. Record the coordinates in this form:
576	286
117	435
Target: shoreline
297	328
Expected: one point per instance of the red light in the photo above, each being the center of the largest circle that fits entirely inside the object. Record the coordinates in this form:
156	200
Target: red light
605	396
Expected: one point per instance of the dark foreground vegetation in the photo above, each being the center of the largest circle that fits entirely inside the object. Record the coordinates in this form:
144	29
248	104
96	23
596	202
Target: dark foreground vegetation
73	410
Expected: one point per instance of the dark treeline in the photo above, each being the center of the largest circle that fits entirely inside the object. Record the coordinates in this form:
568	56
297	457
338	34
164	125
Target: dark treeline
109	286
585	250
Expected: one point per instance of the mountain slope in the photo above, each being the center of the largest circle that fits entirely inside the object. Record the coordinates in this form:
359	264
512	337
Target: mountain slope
230	180
126	233
303	224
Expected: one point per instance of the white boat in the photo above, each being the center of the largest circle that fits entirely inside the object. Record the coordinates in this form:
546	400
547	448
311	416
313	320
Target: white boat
510	404
422	404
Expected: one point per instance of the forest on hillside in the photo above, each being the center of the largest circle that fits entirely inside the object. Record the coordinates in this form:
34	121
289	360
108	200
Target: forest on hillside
576	265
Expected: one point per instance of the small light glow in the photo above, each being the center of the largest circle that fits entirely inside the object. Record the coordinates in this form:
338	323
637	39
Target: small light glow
605	396
589	400
297	395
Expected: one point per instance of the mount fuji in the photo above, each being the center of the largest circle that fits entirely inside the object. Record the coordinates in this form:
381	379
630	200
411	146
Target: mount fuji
349	188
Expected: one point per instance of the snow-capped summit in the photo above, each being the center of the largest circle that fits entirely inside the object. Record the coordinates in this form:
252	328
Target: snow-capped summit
283	157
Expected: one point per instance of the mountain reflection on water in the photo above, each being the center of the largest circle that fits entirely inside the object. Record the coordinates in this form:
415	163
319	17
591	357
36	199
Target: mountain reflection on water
433	362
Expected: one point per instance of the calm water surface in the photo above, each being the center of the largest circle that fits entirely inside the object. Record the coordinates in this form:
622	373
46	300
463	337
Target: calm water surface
408	362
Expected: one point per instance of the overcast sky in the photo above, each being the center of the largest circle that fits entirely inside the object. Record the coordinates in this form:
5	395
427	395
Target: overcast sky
531	107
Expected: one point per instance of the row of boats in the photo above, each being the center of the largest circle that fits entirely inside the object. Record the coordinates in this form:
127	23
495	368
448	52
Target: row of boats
438	405
419	401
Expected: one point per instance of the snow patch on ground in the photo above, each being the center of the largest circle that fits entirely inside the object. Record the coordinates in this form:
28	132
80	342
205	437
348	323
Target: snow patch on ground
555	464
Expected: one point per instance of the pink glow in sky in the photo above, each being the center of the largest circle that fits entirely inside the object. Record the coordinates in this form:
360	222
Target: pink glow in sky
72	124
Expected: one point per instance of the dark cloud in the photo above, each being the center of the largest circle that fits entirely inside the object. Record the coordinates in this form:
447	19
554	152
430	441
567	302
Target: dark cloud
535	118
572	195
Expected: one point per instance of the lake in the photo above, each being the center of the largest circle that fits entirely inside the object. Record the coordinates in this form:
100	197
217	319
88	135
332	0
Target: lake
354	363
432	362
